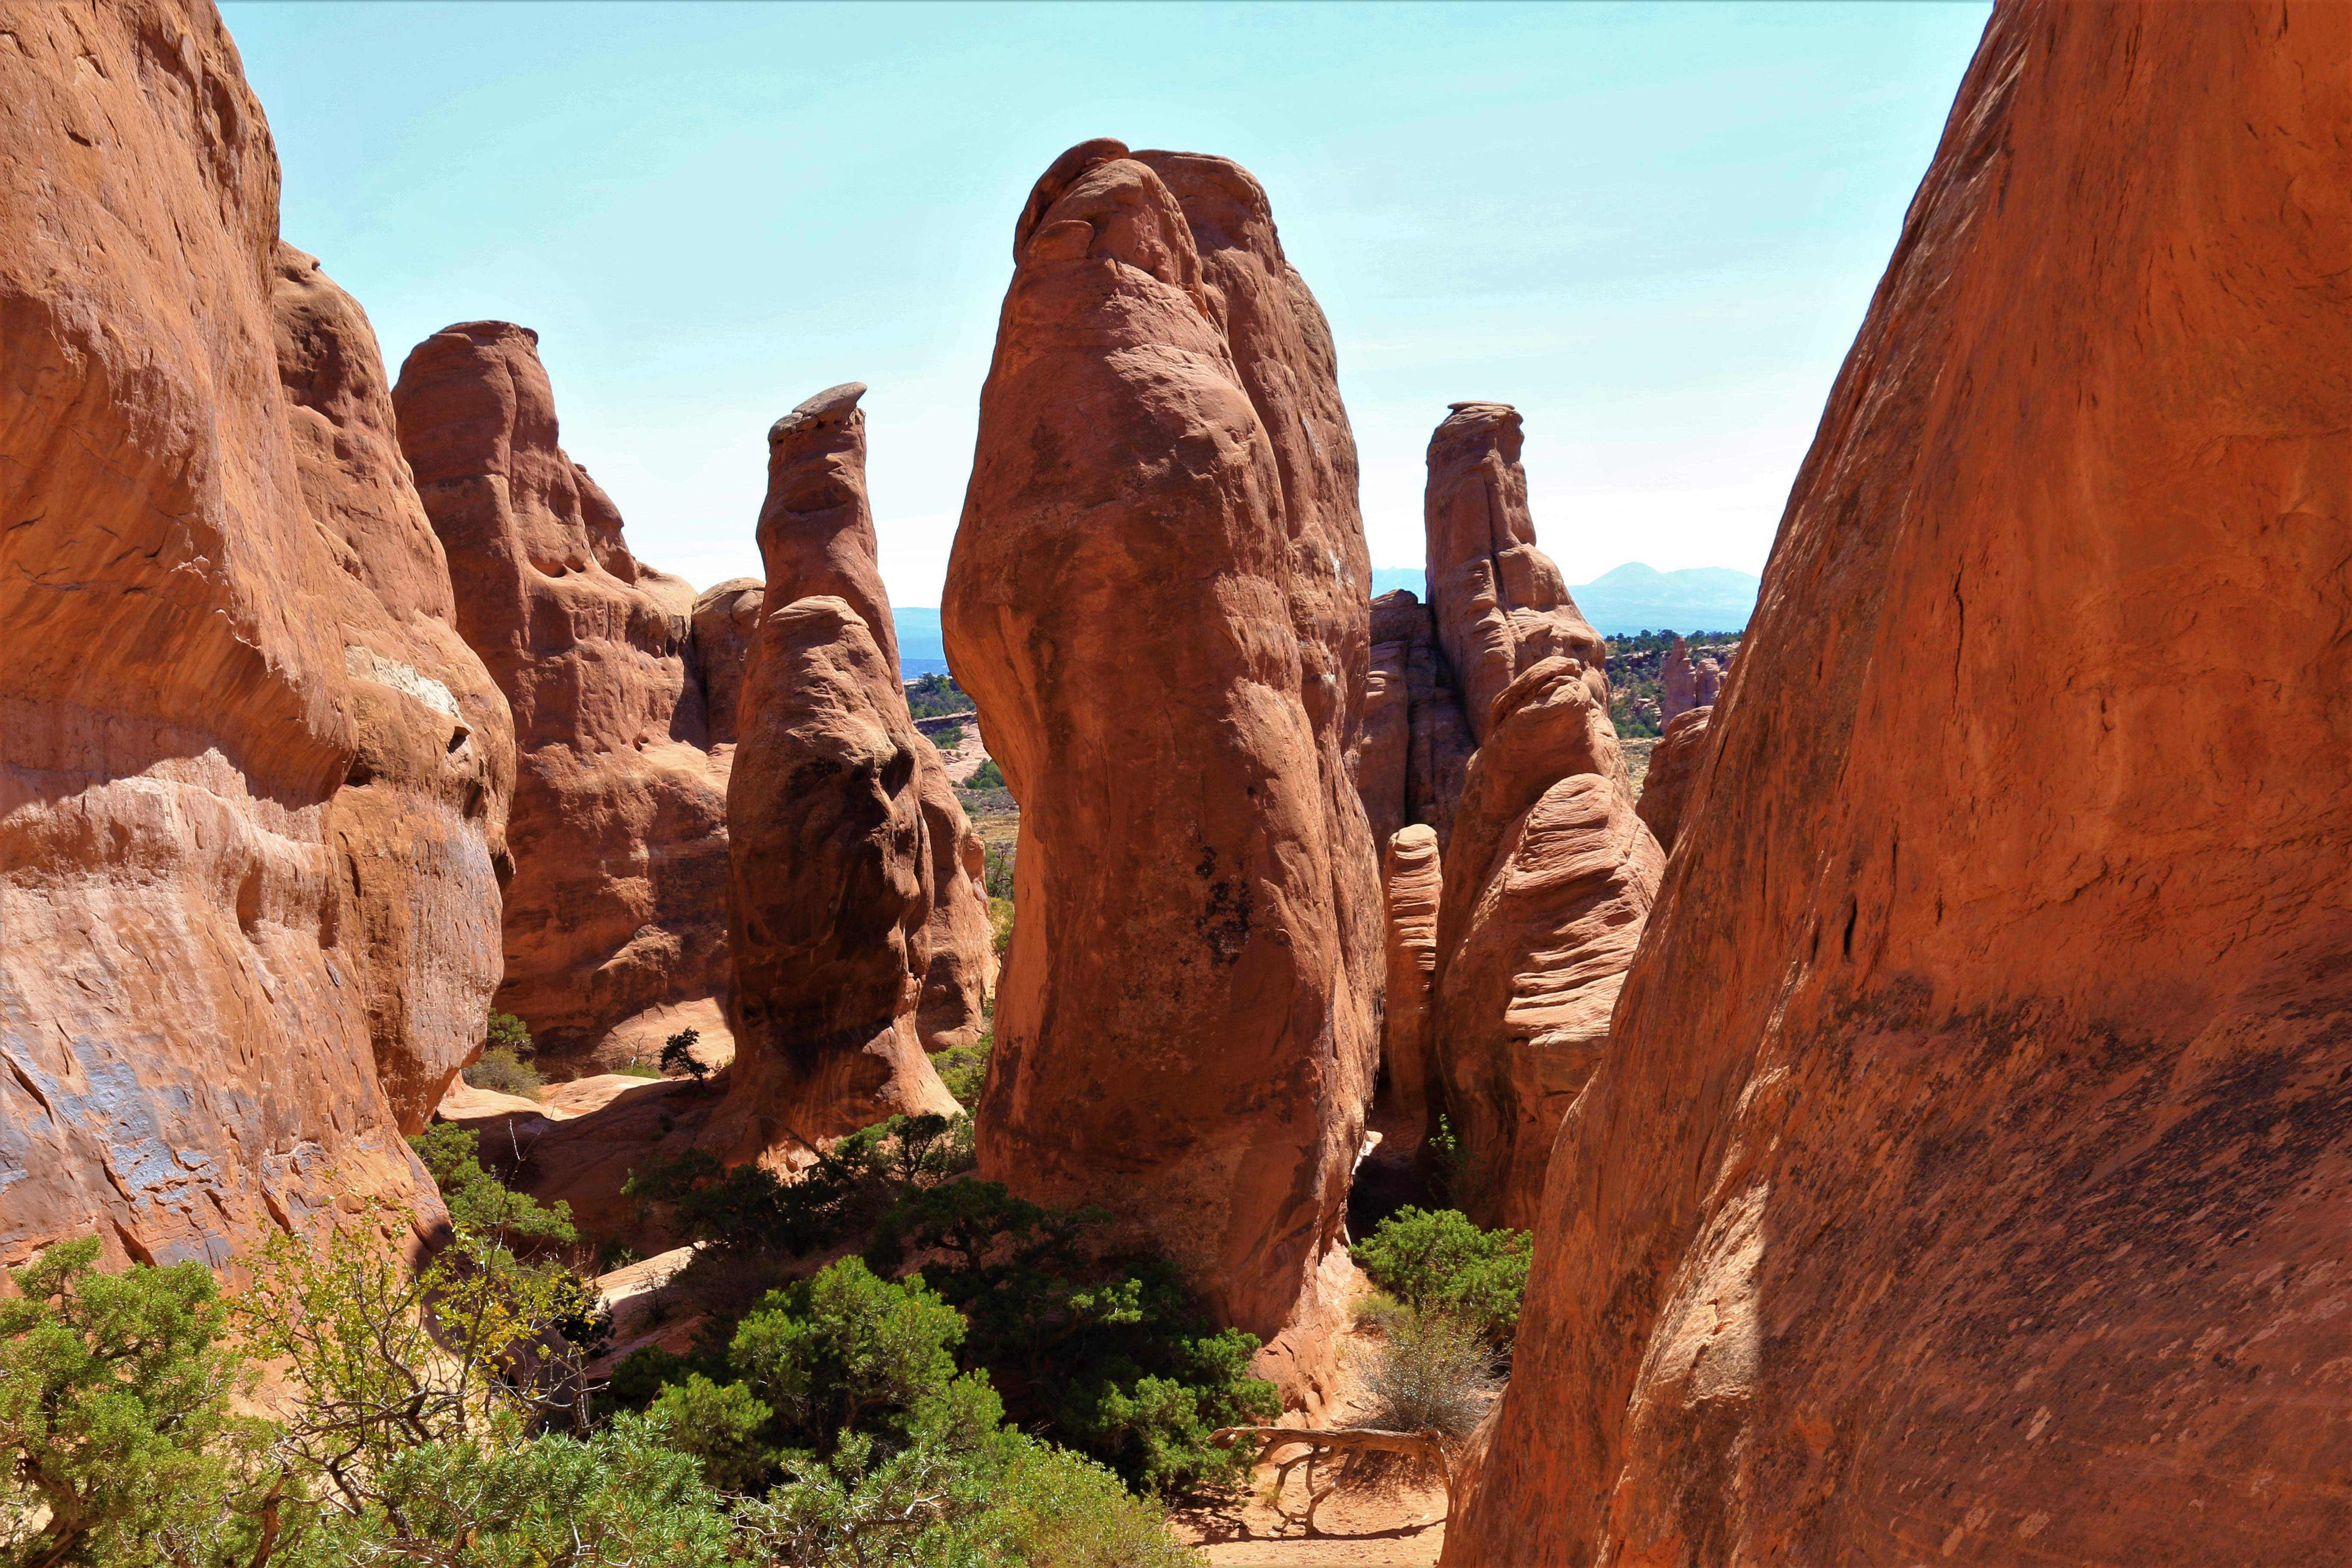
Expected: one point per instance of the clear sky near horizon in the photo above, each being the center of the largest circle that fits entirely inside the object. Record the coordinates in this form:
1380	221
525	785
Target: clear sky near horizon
1654	228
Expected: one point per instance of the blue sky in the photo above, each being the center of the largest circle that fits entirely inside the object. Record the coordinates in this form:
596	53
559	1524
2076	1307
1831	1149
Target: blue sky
1654	228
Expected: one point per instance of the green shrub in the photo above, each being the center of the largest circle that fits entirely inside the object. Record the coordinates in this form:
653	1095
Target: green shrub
510	1033
1107	1355
964	1069
502	1072
1441	1262
115	1394
929	696
479	1202
988	775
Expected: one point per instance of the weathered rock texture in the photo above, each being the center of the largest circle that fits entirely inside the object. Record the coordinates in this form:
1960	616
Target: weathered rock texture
816	535
419	829
1414	741
1967	1183
1415	879
841	819
1499	604
230	686
619	825
1706	683
1676	772
1677	684
1185	1030
724	620
1547	882
829	888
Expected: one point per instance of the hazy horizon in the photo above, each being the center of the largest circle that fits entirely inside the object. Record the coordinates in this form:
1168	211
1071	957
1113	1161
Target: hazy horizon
1654	230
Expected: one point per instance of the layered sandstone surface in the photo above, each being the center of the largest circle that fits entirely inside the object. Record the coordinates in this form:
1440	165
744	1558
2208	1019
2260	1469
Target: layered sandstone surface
1414	742
1415	881
1677	770
1967	1182
1186	1026
834	815
251	784
1547	883
1548	869
619	829
725	616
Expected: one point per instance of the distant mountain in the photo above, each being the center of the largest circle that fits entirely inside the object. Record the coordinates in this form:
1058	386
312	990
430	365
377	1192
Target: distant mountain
1634	597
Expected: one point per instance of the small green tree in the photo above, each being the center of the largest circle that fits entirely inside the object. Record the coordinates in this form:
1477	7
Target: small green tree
115	1407
1440	1261
678	1058
847	1352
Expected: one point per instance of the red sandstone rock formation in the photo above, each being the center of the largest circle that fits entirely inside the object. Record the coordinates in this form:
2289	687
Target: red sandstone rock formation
1707	682
419	829
1415	879
1677	684
816	535
1499	603
229	683
1547	882
846	838
1986	1204
1414	742
1675	774
619	824
829	887
1384	741
1182	1033
725	618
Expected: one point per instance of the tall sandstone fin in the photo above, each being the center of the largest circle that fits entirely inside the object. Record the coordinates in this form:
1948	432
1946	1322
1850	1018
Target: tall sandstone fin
847	898
1548	871
230	682
1966	1180
619	828
418	830
1186	1024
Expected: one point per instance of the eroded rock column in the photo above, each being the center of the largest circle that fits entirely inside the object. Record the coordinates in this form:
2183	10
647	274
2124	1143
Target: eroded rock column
1184	1030
614	926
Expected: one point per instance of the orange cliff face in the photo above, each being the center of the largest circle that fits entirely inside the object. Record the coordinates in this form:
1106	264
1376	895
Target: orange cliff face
1967	1179
615	914
252	784
1185	1029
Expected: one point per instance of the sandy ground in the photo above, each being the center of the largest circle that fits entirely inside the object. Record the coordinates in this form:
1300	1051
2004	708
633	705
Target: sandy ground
1401	1531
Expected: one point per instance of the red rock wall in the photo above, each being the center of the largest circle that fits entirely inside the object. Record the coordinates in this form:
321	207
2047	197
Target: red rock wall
1677	775
725	618
619	829
1181	1031
218	610
418	830
1547	883
1967	1182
